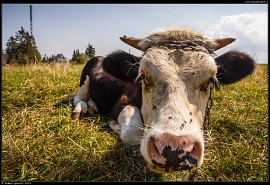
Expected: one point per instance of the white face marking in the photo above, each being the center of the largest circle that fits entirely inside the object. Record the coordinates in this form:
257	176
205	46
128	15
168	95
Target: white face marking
173	101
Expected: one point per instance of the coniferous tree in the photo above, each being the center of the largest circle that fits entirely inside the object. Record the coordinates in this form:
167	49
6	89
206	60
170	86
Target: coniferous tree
90	51
11	50
22	49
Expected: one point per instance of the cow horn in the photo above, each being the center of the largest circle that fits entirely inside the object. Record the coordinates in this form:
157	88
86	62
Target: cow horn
132	41
220	43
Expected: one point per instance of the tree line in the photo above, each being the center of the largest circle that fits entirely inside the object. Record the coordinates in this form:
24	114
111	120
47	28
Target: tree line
21	49
82	58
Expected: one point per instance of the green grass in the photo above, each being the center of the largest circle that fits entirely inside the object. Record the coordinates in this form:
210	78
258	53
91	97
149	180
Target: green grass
40	141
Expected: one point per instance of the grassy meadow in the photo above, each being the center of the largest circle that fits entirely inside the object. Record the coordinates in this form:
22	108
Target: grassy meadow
40	141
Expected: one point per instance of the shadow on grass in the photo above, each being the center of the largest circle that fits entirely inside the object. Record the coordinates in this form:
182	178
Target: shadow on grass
230	126
122	163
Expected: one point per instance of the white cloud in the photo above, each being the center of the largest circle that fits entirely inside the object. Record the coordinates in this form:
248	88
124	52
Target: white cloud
250	30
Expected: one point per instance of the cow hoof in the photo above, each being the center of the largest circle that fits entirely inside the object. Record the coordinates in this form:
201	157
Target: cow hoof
114	125
75	115
83	115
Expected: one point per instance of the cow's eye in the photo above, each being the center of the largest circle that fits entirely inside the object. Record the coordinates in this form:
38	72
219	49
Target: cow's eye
141	78
212	81
204	86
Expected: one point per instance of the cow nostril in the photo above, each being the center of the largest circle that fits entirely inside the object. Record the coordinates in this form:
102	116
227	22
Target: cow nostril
155	150
174	152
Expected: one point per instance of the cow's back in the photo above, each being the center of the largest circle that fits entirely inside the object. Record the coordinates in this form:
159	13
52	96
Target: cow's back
112	82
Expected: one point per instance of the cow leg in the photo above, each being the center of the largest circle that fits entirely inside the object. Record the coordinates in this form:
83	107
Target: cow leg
114	125
129	126
79	102
92	107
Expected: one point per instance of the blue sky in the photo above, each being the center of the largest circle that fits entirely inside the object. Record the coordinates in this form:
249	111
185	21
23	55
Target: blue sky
62	28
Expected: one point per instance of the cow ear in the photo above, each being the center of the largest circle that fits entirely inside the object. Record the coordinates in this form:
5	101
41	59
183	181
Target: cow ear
234	66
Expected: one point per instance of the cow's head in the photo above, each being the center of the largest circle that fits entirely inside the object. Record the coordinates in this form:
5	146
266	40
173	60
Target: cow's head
176	71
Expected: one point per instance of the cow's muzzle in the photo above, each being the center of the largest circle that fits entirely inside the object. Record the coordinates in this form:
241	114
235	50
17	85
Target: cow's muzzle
169	153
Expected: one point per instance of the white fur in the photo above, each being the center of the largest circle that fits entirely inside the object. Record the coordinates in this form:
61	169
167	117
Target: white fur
130	126
81	97
174	34
79	102
81	106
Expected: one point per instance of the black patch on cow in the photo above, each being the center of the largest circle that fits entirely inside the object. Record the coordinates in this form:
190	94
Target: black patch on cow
122	65
233	66
112	78
173	160
88	68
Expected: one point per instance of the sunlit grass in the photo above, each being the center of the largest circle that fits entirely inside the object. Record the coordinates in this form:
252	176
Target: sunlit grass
40	141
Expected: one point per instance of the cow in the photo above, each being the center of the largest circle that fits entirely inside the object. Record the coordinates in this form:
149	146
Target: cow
160	101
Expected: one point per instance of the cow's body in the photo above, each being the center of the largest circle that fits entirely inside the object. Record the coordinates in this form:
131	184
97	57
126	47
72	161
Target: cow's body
113	82
159	100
